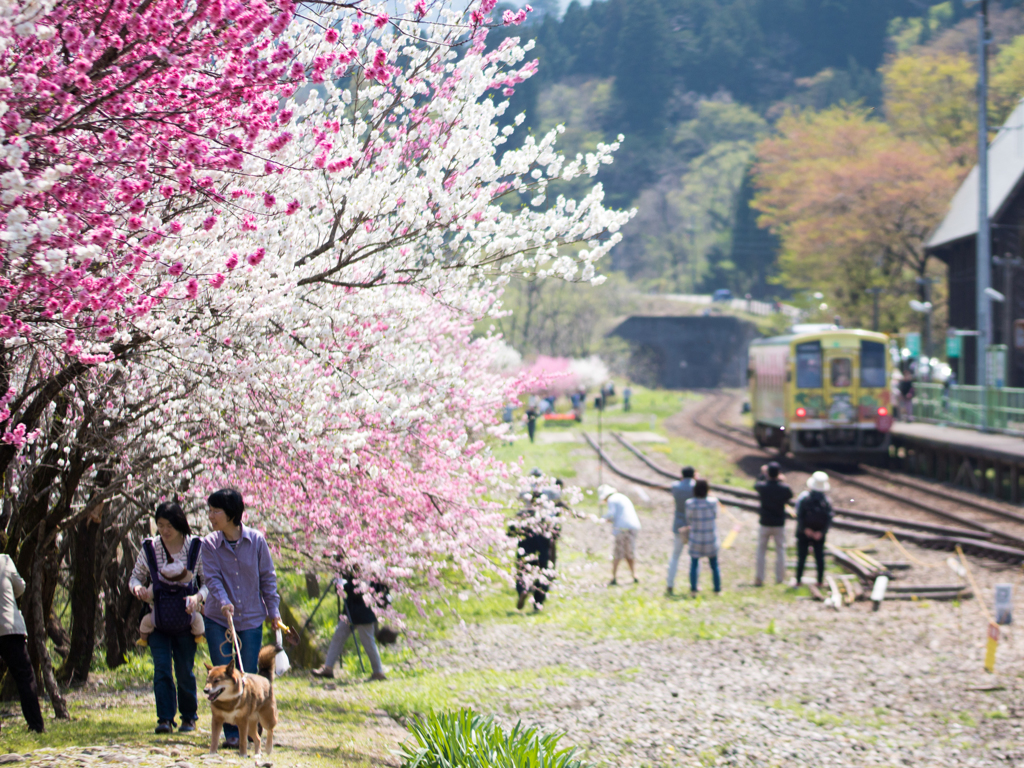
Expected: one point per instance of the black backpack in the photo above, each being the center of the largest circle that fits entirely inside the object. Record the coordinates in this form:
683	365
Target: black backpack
817	512
169	614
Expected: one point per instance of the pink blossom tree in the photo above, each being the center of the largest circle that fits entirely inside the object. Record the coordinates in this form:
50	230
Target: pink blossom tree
249	244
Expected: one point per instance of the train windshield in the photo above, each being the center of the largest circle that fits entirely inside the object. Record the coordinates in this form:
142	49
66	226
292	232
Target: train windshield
842	372
808	365
872	364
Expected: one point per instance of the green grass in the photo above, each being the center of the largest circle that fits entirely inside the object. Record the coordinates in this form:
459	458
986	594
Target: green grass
632	614
418	691
710	463
330	729
554	459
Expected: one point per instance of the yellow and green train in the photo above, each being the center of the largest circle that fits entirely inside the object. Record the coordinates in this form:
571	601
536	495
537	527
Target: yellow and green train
822	395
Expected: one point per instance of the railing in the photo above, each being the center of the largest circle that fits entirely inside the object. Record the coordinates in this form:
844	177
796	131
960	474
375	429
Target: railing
961	406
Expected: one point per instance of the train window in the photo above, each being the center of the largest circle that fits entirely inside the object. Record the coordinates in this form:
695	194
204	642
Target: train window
842	372
808	365
872	364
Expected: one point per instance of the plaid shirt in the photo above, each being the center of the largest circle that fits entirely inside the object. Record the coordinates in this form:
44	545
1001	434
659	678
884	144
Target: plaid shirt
700	515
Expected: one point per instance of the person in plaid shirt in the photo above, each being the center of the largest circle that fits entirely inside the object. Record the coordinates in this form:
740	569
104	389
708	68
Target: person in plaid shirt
701	516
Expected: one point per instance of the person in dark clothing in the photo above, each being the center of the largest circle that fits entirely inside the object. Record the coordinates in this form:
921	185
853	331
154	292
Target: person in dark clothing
906	389
774	493
359	617
537	528
531	421
682	491
14	643
813	518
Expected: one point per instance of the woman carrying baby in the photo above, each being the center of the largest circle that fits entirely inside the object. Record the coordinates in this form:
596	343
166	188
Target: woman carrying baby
171	563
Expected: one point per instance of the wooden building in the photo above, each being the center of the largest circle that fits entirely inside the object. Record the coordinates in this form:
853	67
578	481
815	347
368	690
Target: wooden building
954	243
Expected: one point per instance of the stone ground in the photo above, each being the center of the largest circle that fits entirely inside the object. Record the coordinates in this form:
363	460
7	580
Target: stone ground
903	686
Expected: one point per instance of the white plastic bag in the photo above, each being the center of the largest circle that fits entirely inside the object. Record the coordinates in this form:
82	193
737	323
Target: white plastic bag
281	663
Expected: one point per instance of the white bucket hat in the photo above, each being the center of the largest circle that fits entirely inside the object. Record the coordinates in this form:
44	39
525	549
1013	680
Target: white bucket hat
604	491
818	482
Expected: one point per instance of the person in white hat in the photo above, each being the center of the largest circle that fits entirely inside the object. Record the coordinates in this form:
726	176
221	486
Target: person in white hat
813	518
625	525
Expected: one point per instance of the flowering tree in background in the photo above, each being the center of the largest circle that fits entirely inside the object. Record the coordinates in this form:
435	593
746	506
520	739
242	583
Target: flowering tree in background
853	204
251	243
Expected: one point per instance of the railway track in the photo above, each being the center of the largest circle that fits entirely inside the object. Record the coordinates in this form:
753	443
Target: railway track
979	538
1000	540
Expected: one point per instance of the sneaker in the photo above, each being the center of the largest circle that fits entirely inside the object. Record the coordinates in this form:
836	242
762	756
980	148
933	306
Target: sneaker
187	726
758	583
164	726
668	591
636	580
612	583
230	742
377	676
322	672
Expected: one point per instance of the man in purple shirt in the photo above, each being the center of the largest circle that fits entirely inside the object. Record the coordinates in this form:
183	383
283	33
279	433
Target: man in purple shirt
243	585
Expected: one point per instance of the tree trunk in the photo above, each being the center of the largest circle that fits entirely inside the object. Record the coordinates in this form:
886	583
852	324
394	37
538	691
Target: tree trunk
121	610
37	637
84	595
58	635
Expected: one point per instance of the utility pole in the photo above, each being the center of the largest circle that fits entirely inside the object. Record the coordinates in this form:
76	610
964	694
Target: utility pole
874	313
983	256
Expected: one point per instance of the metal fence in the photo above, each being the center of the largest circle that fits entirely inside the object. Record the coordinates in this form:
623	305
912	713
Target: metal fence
961	406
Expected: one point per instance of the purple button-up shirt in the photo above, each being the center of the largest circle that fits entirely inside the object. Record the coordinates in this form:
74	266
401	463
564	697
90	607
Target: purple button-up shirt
243	577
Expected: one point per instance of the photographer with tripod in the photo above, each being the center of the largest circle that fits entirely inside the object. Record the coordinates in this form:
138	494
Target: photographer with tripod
358	615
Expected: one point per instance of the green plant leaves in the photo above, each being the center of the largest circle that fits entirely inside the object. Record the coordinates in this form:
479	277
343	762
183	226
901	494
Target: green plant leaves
465	739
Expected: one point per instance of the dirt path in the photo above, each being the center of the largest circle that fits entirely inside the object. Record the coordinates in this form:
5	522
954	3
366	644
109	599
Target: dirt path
765	679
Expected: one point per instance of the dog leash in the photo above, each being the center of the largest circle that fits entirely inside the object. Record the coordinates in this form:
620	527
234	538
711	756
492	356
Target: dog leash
235	644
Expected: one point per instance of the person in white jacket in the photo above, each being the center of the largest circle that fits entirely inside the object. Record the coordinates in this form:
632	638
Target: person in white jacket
625	525
14	643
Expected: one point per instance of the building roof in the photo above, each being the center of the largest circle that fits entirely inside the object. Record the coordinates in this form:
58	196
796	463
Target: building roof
1005	174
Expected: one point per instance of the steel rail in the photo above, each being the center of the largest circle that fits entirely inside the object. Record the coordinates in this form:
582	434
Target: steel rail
974	546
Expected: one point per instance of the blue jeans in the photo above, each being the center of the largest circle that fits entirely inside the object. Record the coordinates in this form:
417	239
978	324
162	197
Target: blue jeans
179	651
715	575
220	653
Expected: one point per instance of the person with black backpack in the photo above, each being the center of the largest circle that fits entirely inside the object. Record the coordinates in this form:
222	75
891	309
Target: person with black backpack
171	563
813	518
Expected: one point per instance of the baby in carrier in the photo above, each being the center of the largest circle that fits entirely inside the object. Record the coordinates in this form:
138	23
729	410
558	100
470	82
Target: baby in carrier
174	572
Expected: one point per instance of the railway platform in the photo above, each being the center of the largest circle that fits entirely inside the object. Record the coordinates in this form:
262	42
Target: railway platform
988	463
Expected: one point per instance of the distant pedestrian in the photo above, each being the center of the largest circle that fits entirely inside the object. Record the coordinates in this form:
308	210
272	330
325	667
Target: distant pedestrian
813	518
774	493
627	394
531	421
906	387
537	528
14	643
702	517
625	525
507	414
682	491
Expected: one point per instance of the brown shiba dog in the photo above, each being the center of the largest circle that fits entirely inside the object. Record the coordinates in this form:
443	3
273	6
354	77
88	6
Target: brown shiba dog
243	700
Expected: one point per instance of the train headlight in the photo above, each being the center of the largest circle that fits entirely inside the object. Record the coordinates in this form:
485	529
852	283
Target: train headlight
883	411
801	413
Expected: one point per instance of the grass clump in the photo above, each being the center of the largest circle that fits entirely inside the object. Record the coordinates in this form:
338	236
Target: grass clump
464	739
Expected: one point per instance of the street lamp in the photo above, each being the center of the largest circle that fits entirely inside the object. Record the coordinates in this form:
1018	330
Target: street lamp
925	308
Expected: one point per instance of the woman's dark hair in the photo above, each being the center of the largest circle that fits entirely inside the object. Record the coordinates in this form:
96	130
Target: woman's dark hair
172	513
230	501
700	489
